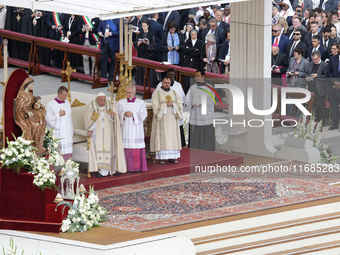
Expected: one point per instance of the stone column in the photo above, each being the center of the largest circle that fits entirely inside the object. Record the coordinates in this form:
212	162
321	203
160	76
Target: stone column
250	54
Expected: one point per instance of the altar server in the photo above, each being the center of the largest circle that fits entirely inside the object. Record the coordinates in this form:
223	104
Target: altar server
58	116
132	112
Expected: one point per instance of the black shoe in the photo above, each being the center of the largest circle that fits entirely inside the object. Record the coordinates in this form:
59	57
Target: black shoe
99	175
333	127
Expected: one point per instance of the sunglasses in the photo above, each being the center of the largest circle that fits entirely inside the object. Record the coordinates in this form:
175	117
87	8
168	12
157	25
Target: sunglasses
296	34
275	30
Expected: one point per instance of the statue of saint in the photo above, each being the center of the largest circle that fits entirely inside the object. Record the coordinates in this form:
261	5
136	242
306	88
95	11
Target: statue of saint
27	116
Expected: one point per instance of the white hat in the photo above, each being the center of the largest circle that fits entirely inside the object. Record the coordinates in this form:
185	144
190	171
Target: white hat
101	94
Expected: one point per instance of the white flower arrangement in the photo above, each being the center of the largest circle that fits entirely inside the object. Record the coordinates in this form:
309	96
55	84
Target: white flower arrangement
55	159
312	132
21	154
18	154
44	177
70	164
83	214
51	143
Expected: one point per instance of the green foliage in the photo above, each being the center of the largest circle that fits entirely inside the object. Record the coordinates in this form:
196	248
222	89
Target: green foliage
311	131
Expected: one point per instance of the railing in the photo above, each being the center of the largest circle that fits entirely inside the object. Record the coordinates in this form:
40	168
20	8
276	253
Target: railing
34	66
180	73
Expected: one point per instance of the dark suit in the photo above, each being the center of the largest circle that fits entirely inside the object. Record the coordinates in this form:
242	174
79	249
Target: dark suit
74	30
109	47
323	51
222	53
308	39
284	41
89	41
329	44
291	30
319	86
307	4
224	26
157	31
199	34
219	33
138	22
174	15
95	22
184	17
330	6
333	94
290	54
55	35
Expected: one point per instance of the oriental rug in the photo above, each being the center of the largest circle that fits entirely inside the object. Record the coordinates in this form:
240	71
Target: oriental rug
197	197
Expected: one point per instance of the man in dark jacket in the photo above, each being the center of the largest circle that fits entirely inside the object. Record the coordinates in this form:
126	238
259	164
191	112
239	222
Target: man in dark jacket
157	31
89	38
109	31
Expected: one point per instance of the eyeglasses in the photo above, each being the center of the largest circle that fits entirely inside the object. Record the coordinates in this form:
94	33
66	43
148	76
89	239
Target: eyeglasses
326	36
296	34
275	31
334	48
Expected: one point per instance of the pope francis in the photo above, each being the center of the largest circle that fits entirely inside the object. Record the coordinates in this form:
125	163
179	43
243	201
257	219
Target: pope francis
106	152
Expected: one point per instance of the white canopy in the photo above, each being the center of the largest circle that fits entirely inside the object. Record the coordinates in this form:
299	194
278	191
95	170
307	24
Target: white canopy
109	9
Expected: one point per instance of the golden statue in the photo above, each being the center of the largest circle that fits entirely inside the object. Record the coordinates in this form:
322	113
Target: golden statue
30	115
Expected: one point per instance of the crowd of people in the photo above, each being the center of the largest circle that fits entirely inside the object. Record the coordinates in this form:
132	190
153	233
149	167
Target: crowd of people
196	38
305	52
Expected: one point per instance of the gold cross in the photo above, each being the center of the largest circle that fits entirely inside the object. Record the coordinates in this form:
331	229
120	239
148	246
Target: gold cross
112	89
68	72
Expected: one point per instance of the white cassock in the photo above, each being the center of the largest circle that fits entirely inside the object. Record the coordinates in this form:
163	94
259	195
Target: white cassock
132	127
63	126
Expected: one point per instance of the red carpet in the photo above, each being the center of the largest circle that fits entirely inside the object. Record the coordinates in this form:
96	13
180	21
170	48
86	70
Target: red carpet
189	159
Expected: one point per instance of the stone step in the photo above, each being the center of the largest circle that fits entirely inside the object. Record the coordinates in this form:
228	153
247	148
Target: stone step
308	229
275	244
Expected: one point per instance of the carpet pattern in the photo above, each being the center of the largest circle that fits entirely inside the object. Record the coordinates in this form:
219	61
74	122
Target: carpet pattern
191	198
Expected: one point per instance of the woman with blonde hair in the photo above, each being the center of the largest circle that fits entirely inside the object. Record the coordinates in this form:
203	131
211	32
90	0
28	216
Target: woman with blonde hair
284	25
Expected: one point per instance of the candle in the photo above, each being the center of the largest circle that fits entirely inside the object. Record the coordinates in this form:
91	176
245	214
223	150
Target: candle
5	42
126	40
121	36
130	47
